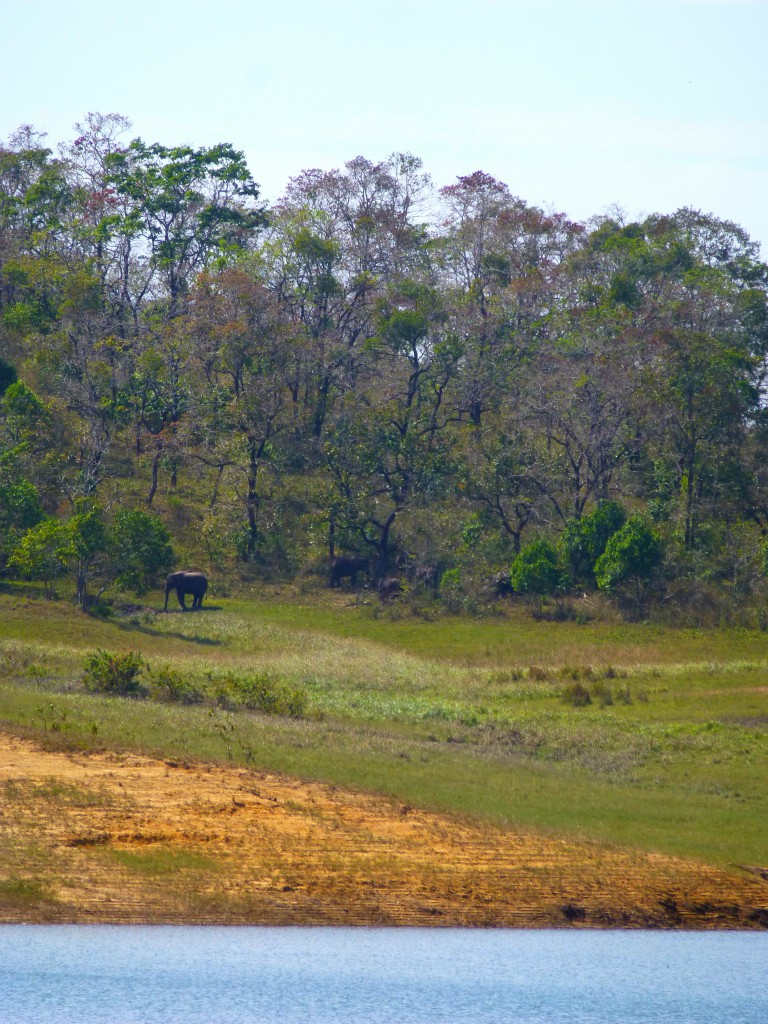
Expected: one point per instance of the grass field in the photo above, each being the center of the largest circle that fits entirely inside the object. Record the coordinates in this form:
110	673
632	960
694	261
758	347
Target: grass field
480	717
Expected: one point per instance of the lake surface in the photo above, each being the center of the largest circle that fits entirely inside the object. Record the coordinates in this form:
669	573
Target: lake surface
177	975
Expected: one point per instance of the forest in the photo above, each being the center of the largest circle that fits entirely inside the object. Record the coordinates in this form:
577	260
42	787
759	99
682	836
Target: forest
483	398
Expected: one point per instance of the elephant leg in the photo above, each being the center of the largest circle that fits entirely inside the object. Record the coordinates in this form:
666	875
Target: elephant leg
180	593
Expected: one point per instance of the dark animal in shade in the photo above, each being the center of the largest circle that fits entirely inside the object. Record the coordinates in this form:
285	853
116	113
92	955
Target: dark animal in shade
348	565
389	588
193	583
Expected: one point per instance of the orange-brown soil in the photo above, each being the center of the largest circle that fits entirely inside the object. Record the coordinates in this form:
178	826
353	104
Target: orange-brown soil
119	838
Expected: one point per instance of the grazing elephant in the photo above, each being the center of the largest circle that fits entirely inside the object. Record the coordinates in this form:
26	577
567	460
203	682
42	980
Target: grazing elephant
389	588
502	585
348	565
183	583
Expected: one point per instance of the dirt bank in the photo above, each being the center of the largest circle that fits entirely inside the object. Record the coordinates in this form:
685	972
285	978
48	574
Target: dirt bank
119	838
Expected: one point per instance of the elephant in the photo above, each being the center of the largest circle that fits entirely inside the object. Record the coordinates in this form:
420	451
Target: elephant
348	565
389	588
194	583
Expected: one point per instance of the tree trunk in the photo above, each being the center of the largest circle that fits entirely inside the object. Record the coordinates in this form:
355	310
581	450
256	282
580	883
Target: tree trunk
155	465
382	555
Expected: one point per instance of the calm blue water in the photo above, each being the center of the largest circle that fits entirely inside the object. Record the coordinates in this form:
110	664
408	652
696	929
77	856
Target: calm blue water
166	975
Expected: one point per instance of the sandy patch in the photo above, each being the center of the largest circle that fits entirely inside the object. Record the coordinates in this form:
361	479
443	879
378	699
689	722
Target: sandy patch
120	838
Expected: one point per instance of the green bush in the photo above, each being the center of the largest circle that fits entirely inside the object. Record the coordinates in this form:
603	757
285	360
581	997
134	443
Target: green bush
536	571
584	540
261	692
170	687
114	673
631	560
577	694
140	550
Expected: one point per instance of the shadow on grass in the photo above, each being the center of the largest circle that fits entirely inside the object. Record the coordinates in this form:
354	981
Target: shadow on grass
21	588
138	627
188	610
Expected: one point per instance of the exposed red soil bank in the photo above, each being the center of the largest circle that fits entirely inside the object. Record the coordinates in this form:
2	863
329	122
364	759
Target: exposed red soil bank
126	839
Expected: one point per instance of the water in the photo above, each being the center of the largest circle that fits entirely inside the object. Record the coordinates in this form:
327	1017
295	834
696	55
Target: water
171	975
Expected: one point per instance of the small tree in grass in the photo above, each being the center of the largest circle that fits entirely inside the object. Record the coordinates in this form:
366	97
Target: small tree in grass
44	553
132	551
584	540
631	560
536	571
139	549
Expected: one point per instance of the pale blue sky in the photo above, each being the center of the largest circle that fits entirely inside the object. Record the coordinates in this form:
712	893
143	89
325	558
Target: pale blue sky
578	105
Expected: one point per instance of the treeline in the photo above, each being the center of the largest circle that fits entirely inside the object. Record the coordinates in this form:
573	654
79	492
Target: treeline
461	386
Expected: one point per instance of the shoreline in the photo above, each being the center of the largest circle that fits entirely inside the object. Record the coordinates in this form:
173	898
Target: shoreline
107	838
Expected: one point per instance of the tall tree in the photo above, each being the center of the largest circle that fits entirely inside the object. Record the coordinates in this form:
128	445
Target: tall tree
389	447
336	239
243	354
187	207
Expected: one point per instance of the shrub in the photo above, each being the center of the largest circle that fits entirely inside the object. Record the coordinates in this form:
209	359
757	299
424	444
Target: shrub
577	694
263	692
43	553
632	558
584	540
114	673
170	687
536	571
602	693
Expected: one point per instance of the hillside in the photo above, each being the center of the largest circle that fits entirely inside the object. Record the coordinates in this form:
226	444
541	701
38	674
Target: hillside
433	772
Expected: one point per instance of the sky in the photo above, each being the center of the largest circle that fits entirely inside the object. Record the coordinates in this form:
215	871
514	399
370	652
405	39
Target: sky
578	106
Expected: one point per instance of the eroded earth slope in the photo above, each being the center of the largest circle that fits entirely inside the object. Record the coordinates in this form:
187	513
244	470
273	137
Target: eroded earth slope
120	838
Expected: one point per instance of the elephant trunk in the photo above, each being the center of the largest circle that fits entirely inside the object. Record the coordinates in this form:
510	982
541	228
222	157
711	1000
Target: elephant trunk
168	588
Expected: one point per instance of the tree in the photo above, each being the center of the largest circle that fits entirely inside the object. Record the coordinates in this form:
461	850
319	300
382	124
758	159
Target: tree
103	229
580	400
85	367
44	553
25	452
157	394
243	354
89	539
336	240
703	396
35	202
536	571
139	549
632	559
389	446
500	470
20	509
500	259
690	290
188	207
584	540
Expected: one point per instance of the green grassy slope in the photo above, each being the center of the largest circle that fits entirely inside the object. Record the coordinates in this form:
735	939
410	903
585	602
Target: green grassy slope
471	716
